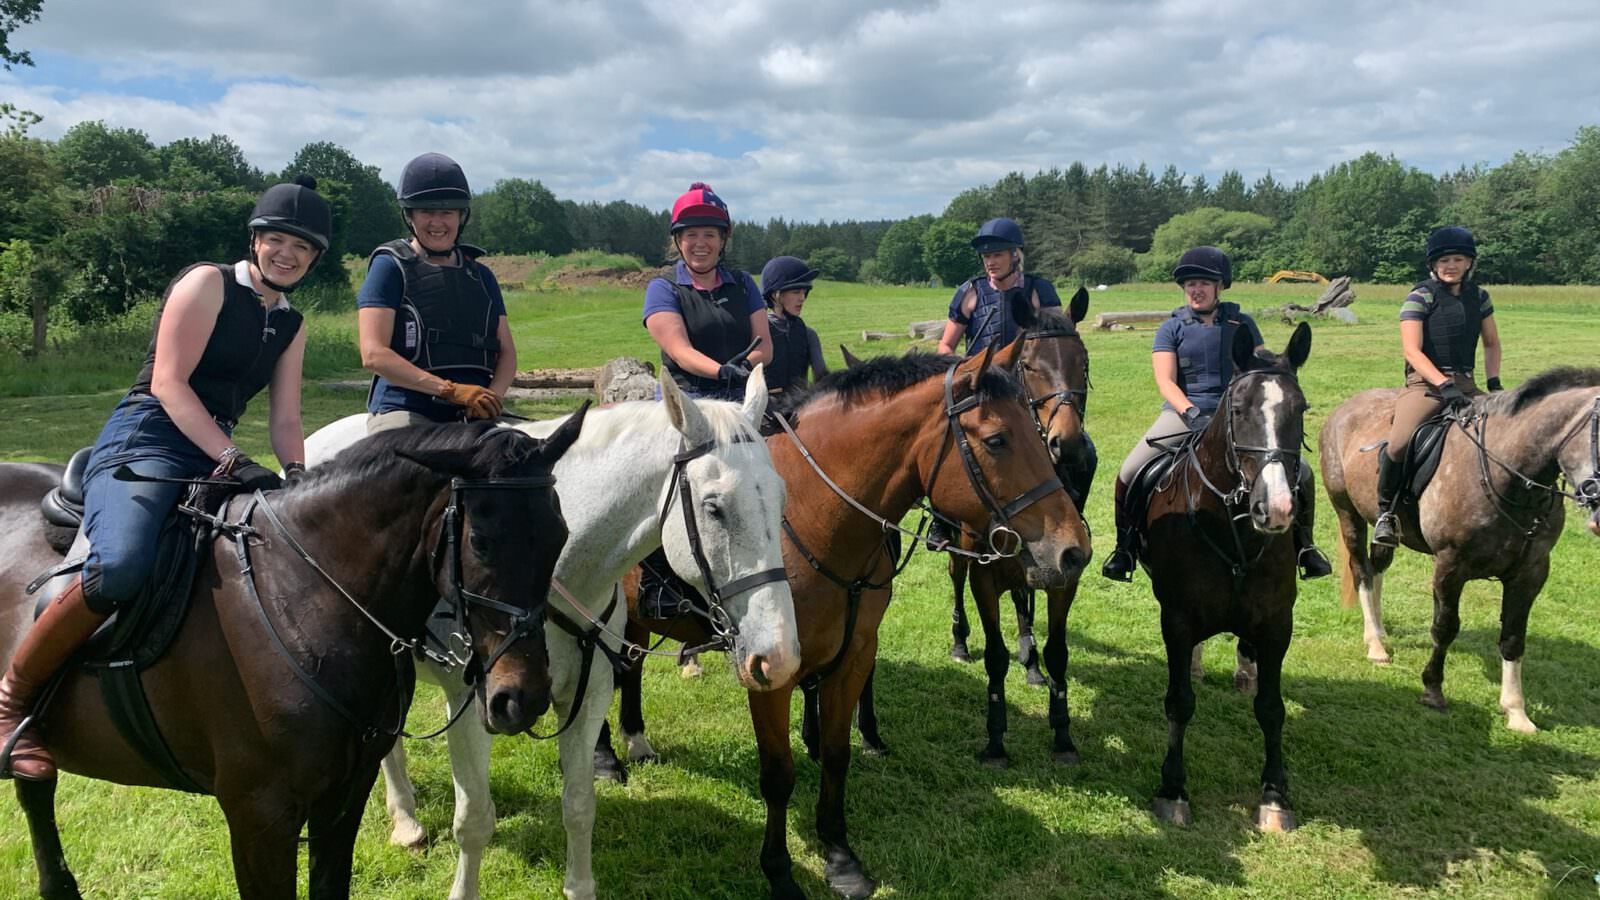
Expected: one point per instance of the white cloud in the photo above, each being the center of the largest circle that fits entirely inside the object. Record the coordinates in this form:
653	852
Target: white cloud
860	110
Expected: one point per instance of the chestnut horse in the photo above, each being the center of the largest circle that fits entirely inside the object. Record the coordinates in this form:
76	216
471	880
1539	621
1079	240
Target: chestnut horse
1493	509
1211	575
887	433
334	576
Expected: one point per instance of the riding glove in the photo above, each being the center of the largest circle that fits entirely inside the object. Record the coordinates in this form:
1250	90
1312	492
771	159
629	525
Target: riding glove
1495	385
251	475
481	403
1195	419
733	372
1451	394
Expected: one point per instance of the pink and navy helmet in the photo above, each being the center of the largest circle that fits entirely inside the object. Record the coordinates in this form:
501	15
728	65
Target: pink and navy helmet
699	206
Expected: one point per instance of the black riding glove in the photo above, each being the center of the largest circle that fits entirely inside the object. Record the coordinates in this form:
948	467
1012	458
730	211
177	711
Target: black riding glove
1451	394
251	475
1495	385
733	372
1195	419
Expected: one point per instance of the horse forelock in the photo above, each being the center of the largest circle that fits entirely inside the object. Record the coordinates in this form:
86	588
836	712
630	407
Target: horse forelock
1542	385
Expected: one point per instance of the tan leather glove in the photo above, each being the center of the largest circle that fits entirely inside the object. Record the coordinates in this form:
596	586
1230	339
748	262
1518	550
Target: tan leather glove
481	403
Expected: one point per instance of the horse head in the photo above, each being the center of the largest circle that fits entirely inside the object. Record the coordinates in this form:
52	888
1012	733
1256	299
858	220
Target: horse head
1053	369
720	530
1263	417
500	534
1010	493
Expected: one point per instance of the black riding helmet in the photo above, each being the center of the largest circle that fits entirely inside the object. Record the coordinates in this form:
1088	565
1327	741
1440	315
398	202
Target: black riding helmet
293	208
784	272
1204	262
998	234
435	181
1451	239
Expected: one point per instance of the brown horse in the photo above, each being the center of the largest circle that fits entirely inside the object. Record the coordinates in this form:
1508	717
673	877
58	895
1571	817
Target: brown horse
460	511
1212	575
1493	509
1054	373
883	433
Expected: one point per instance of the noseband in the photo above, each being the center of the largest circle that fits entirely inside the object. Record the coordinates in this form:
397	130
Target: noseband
724	630
1004	542
1066	398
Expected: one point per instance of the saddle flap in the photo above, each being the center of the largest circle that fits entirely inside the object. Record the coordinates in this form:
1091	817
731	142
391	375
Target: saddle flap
1422	457
1145	484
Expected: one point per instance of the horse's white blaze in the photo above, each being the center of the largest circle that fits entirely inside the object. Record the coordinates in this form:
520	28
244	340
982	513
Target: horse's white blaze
1275	476
1511	700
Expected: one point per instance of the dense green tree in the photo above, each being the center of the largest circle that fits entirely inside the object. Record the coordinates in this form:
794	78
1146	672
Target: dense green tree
202	164
1572	194
520	216
899	257
1103	264
32	201
1271	199
1230	193
91	154
1356	217
1512	225
947	250
1239	234
833	263
372	214
13	15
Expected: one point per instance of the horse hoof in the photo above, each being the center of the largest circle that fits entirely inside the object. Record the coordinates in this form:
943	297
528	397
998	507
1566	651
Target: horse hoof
1434	700
876	751
1065	757
1036	678
410	836
1518	721
691	669
787	890
1244	684
610	770
1379	657
959	653
994	759
1275	817
850	881
1173	812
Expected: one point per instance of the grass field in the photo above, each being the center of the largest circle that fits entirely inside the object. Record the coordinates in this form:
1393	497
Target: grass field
1394	799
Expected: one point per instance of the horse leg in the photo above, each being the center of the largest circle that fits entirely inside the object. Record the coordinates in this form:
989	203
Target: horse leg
867	719
38	800
1516	600
473	825
1274	813
1172	799
809	729
839	695
607	767
630	716
400	799
769	714
1027	647
577	760
959	629
1246	671
264	834
1062	750
1197	661
1361	581
996	663
331	835
1446	625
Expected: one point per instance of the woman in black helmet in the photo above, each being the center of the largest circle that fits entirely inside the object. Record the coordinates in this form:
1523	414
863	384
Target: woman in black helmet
1441	321
431	318
980	310
1191	360
223	332
796	351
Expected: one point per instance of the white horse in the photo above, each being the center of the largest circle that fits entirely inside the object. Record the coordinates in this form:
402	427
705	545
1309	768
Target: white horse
612	484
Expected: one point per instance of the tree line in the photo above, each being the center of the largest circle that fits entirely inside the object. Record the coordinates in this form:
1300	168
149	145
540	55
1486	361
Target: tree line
102	218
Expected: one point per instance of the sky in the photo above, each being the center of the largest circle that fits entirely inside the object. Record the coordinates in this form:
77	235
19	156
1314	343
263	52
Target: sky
827	109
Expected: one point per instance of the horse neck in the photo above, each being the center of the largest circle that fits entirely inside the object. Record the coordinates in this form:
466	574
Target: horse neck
1530	441
611	498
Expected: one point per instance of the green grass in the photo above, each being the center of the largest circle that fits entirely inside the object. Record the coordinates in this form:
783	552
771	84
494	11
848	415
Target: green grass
1394	799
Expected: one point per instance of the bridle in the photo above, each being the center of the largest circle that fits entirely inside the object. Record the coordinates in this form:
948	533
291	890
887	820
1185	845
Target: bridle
1066	398
1586	493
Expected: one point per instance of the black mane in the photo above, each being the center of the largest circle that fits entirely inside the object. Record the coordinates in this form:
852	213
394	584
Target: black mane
1551	381
888	375
1053	318
494	449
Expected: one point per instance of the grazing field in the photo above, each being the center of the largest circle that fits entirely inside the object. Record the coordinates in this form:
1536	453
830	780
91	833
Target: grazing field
1394	799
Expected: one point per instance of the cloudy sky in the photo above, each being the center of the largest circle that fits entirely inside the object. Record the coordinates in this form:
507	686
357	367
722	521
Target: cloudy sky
825	109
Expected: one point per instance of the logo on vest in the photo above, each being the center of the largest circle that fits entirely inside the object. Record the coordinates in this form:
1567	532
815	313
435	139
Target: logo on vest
411	335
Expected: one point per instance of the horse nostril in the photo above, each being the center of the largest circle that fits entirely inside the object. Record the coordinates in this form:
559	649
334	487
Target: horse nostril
504	706
758	671
1073	559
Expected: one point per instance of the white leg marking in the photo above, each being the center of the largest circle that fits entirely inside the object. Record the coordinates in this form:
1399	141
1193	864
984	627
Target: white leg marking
1197	668
1372	620
400	797
1511	700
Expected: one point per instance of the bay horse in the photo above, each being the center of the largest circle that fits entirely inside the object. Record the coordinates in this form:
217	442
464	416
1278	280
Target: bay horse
334	575
1211	575
1493	509
692	476
881	433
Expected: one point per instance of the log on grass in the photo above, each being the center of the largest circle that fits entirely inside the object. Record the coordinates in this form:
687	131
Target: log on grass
1114	319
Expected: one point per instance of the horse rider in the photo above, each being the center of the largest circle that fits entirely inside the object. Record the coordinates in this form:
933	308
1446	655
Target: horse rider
1441	321
796	351
431	317
706	315
222	333
1191	359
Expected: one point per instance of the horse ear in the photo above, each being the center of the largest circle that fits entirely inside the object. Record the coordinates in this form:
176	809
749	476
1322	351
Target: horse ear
1022	310
850	359
1010	357
557	444
1244	350
755	395
1080	304
1299	345
685	416
457	463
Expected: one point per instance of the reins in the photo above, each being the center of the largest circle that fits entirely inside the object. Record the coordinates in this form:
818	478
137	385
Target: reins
1474	425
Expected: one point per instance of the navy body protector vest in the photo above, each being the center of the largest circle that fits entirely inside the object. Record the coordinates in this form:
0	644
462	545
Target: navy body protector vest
1205	354
1451	330
447	319
718	324
991	315
791	352
241	353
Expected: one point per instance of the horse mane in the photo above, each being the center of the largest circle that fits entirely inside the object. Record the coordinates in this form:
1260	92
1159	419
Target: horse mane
883	376
605	425
1053	318
1542	385
493	451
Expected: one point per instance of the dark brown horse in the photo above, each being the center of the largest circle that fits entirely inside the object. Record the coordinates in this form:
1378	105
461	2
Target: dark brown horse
289	679
1493	509
881	432
1213	572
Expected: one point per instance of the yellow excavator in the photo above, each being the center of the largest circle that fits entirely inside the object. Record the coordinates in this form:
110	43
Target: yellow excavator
1297	276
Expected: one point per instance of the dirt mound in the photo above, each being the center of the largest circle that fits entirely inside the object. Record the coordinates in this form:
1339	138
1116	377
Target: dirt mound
618	277
514	269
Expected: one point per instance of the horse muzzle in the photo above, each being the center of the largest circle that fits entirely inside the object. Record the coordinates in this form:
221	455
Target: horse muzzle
511	706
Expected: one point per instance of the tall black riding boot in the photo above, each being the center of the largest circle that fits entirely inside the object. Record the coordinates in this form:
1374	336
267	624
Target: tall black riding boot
1312	562
1386	531
66	623
1120	564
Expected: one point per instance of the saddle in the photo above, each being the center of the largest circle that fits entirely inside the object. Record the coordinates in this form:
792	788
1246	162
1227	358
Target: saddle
1422	457
62	507
1150	477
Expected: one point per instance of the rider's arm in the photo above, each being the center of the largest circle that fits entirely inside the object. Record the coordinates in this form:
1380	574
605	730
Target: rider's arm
283	419
187	320
668	331
1165	365
819	368
1491	347
505	366
961	306
1411	345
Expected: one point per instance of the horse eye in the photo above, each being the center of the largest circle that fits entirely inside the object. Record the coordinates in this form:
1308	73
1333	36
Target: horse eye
712	506
479	544
995	441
